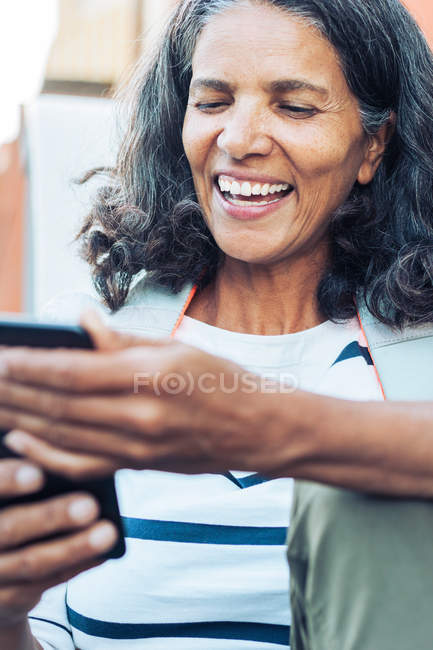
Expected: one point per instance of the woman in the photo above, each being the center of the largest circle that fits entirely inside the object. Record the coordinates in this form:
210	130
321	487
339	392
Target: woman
274	169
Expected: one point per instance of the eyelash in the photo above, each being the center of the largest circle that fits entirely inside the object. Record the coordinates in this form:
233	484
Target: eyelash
209	106
299	110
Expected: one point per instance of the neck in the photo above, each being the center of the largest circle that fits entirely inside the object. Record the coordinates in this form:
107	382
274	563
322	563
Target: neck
258	299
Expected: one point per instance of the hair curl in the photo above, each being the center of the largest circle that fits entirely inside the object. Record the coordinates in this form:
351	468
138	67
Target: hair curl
146	216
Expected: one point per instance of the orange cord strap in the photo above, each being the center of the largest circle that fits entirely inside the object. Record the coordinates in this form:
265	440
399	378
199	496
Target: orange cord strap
184	308
372	358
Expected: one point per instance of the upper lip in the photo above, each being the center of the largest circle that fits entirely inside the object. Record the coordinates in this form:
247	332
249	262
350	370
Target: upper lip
251	176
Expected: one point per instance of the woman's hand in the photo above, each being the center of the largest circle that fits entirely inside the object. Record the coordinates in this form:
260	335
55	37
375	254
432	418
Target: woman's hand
28	564
139	404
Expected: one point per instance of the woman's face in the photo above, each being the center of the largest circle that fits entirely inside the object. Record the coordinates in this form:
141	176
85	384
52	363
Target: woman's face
272	134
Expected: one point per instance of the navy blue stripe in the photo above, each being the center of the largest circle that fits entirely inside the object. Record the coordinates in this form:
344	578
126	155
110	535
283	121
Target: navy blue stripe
247	481
233	479
46	620
352	351
252	479
259	632
178	531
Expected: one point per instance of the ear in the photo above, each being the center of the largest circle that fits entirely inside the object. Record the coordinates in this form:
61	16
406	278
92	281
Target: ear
376	148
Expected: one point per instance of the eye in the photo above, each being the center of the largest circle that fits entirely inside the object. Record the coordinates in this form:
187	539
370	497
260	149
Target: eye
298	111
210	107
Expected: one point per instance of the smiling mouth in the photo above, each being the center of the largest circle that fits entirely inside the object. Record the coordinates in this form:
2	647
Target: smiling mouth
252	194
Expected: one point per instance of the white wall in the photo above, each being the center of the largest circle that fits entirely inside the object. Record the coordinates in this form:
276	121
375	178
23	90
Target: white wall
65	136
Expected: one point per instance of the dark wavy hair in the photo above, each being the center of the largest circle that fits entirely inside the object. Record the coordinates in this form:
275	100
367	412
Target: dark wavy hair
146	216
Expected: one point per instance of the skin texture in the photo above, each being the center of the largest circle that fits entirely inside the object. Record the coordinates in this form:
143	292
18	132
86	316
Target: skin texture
308	137
29	566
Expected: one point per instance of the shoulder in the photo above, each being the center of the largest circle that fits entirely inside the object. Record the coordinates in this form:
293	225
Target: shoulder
68	307
150	309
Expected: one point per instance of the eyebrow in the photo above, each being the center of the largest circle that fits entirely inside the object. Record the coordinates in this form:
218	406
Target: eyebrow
286	85
213	84
278	86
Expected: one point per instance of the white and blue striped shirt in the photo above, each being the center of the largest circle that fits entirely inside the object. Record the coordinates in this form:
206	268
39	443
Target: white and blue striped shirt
205	566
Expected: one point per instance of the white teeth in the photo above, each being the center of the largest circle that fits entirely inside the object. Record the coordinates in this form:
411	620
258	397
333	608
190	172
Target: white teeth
235	188
246	189
224	185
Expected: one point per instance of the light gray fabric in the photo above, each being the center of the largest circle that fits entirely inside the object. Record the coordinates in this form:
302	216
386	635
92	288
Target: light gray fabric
149	311
404	359
362	566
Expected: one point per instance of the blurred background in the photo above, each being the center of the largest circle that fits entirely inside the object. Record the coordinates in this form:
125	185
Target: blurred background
61	61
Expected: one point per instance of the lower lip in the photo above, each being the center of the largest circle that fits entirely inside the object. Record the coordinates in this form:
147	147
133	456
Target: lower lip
245	213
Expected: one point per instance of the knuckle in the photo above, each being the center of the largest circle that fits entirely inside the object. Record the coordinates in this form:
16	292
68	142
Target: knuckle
28	567
54	513
153	419
136	451
15	599
56	435
66	376
58	407
72	471
78	470
8	599
7	528
147	418
46	403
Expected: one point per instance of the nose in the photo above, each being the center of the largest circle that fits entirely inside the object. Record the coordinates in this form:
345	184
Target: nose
244	133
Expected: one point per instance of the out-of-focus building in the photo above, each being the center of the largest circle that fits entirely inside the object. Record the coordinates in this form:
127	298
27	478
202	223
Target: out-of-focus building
66	131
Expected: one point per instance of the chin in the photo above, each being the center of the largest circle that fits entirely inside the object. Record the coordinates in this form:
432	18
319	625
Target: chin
249	254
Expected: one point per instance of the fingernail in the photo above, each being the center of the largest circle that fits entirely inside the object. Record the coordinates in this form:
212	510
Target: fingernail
103	537
16	441
28	476
82	510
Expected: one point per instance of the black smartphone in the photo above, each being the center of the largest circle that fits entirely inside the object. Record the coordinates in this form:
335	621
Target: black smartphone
18	332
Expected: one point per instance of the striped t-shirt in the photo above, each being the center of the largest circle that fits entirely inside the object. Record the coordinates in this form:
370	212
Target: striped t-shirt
205	566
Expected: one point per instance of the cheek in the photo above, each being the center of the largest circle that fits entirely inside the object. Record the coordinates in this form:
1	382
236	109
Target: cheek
318	153
197	142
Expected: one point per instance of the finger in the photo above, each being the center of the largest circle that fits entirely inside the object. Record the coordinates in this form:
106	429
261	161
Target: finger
45	559
18	477
171	455
122	411
24	523
68	464
104	338
81	371
87	439
24	596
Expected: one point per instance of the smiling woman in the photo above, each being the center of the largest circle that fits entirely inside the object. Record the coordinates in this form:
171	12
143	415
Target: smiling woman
260	118
298	106
275	174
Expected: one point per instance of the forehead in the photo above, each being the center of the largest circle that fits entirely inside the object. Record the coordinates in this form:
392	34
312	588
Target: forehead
267	41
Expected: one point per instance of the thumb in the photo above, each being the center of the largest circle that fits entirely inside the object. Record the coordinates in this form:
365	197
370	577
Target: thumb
103	338
106	339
